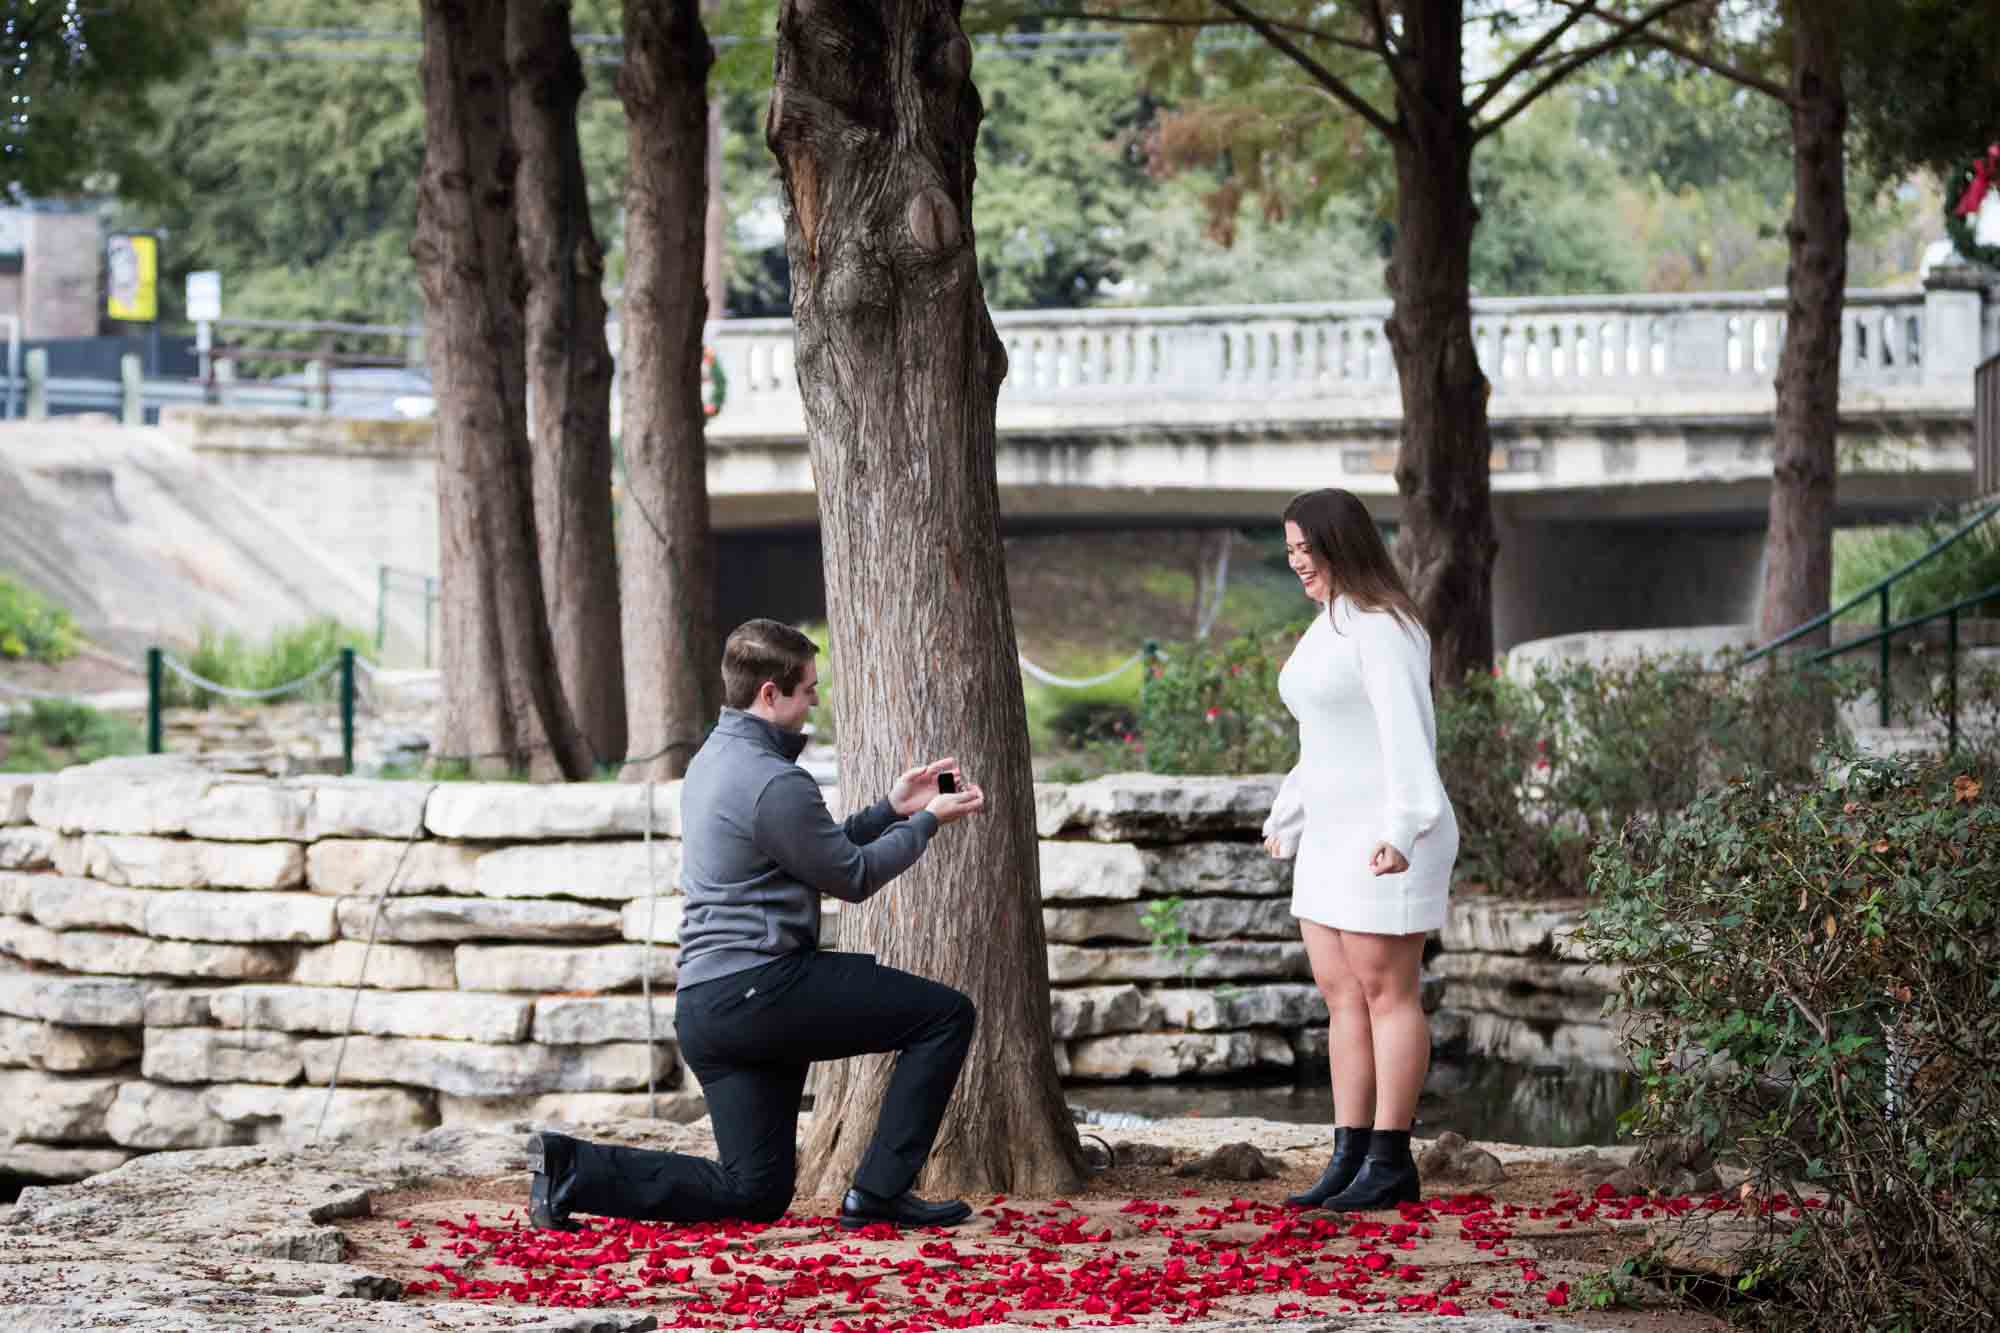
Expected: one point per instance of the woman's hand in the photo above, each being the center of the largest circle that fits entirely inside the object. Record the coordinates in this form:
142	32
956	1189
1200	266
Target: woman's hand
1386	860
1275	848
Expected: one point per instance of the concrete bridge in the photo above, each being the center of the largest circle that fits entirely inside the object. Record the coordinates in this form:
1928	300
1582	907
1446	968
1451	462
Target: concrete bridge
1631	463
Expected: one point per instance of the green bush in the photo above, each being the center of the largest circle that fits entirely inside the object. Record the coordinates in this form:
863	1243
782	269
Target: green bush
288	655
33	627
1215	709
1864	556
1811	974
53	733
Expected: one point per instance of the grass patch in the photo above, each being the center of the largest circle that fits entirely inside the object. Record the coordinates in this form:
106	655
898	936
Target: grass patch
54	733
32	627
288	655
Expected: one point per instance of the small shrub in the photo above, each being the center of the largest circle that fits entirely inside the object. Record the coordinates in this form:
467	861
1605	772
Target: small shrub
1495	760
33	627
1865	556
52	733
1811	974
288	655
1215	709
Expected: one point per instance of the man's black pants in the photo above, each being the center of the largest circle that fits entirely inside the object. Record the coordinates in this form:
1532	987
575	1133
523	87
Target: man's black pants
749	1038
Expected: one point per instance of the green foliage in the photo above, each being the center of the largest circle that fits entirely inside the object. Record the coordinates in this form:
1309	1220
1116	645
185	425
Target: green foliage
52	733
85	117
1332	255
1919	82
1862	557
1811	973
1543	199
1161	919
288	655
1215	709
1062	175
33	627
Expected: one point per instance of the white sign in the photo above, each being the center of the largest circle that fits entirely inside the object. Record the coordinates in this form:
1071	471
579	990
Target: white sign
204	295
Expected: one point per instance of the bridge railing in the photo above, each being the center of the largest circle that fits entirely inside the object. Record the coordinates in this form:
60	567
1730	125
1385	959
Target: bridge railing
1529	347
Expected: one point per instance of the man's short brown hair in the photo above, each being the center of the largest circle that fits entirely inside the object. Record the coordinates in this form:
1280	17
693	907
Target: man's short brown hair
761	650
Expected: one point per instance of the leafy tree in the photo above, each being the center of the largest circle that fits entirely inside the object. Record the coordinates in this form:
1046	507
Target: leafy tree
1062	174
79	74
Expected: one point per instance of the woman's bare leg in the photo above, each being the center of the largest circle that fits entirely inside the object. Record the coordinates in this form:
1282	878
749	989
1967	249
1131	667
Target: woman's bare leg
1350	1043
1388	970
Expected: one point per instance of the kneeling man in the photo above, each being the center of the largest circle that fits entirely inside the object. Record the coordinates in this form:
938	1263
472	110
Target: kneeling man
759	1001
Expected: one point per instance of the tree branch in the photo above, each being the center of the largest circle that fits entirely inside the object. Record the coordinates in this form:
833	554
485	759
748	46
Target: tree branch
1529	56
1387	52
1162	21
1624	33
1319	73
1734	73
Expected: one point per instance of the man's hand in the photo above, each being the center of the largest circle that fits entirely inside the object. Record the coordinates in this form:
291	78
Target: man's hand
913	790
1386	860
968	800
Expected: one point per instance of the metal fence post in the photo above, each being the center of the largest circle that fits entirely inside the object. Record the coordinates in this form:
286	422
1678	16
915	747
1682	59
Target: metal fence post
1882	658
1951	683
155	704
347	710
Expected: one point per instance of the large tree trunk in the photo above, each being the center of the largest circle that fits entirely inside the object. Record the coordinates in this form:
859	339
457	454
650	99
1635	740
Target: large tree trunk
673	652
569	370
873	118
1798	549
503	708
1447	544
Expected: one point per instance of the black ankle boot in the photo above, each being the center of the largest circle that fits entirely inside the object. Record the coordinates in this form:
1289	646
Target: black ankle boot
1350	1146
549	1158
1387	1177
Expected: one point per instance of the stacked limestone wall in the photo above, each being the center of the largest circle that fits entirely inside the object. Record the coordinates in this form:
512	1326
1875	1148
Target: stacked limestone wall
180	951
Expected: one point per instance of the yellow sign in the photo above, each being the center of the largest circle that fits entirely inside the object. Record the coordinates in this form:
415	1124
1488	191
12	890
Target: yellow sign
135	270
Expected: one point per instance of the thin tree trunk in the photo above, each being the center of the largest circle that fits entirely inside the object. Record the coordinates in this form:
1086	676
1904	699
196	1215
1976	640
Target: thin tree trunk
672	648
1447	544
873	119
503	708
1798	550
569	369
714	222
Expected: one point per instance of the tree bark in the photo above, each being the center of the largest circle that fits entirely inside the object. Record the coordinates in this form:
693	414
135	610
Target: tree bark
1447	543
569	370
672	649
873	119
503	709
1798	547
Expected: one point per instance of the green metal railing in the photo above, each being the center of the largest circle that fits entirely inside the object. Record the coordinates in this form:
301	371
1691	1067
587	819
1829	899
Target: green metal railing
385	575
1885	631
159	662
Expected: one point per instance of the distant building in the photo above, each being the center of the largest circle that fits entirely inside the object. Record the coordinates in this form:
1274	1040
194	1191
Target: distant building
51	255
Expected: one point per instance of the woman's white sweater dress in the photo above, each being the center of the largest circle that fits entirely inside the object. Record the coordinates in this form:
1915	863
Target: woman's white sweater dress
1359	685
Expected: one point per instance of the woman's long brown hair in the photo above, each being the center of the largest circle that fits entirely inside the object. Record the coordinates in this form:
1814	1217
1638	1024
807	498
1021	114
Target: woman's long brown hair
1349	547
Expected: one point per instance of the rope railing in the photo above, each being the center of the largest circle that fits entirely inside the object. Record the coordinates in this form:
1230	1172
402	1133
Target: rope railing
201	682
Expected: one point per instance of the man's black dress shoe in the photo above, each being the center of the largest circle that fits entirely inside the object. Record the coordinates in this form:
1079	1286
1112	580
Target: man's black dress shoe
549	1158
860	1209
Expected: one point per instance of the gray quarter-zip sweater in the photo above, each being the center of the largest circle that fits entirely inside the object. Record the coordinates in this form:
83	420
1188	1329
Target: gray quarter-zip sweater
758	848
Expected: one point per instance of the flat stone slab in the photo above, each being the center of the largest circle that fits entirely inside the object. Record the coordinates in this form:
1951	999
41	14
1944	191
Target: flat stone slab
83	1001
521	811
612	872
113	954
385	966
65	1050
543	969
471	1069
179	863
430	920
365	808
48	1161
16	791
419	1013
1224	960
25	847
362	867
582	1020
1152	807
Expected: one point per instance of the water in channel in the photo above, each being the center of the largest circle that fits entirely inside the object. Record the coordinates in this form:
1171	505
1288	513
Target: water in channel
1483	1099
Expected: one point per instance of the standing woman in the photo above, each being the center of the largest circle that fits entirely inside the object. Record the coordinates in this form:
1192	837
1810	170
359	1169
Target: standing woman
1367	817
